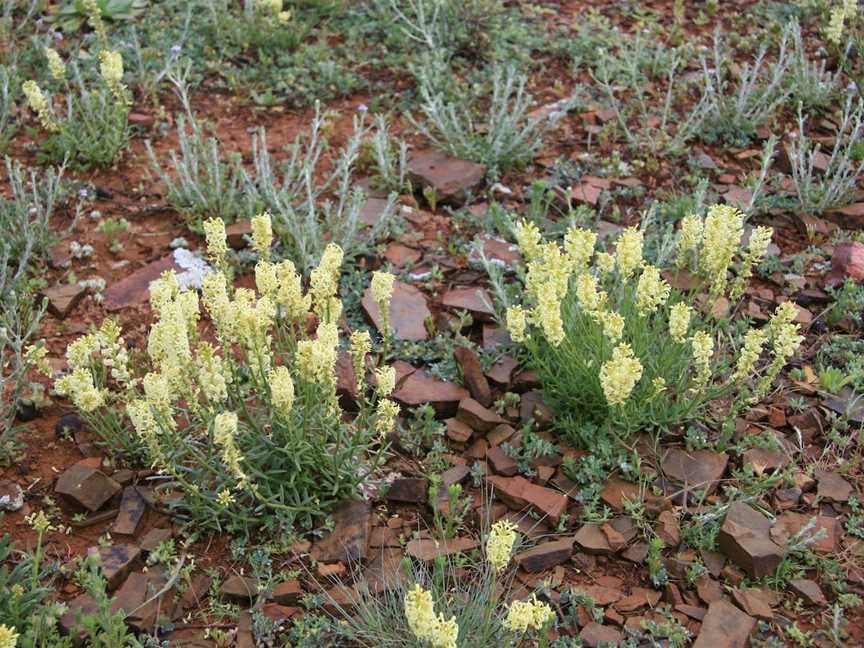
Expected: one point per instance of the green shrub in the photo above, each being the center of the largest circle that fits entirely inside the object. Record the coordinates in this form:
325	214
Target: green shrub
93	130
248	428
612	342
507	136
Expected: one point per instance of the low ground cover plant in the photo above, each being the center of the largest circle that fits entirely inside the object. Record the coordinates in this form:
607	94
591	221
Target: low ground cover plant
613	343
451	602
246	426
93	128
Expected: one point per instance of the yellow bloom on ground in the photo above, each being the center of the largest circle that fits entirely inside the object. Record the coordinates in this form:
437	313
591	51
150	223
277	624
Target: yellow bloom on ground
217	239
385	379
262	234
55	64
39	104
290	295
754	342
587	293
613	324
528	238
426	626
111	67
679	321
579	244
760	239
690	238
652	291
628	252
281	389
324	280
266	279
81	390
619	375
385	416
721	239
225	498
605	263
382	293
516	323
836	27
529	614
703	349
548	314
8	636
499	544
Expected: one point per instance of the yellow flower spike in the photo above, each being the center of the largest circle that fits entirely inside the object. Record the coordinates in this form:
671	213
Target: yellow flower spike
79	387
385	380
689	240
590	299
628	252
426	626
605	263
652	291
619	375
679	321
529	239
212	377
760	239
836	26
385	417
613	324
754	342
527	615
281	389
39	104
516	323
703	350
8	636
94	18
724	226
548	314
217	240
361	346
579	244
290	295
159	392
382	292
55	64
266	279
499	544
324	280
262	234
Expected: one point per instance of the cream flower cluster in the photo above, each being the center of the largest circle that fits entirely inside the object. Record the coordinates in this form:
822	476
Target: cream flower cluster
55	64
39	104
499	544
111	70
529	614
382	292
713	243
845	10
102	348
425	624
619	374
8	636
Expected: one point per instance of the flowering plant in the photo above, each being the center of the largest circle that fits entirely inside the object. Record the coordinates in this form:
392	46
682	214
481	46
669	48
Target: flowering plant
246	424
613	342
95	127
454	601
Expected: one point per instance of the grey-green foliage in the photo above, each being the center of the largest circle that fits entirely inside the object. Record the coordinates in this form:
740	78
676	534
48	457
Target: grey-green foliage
391	159
810	84
206	182
834	186
506	135
627	77
25	218
9	90
312	205
736	110
19	321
